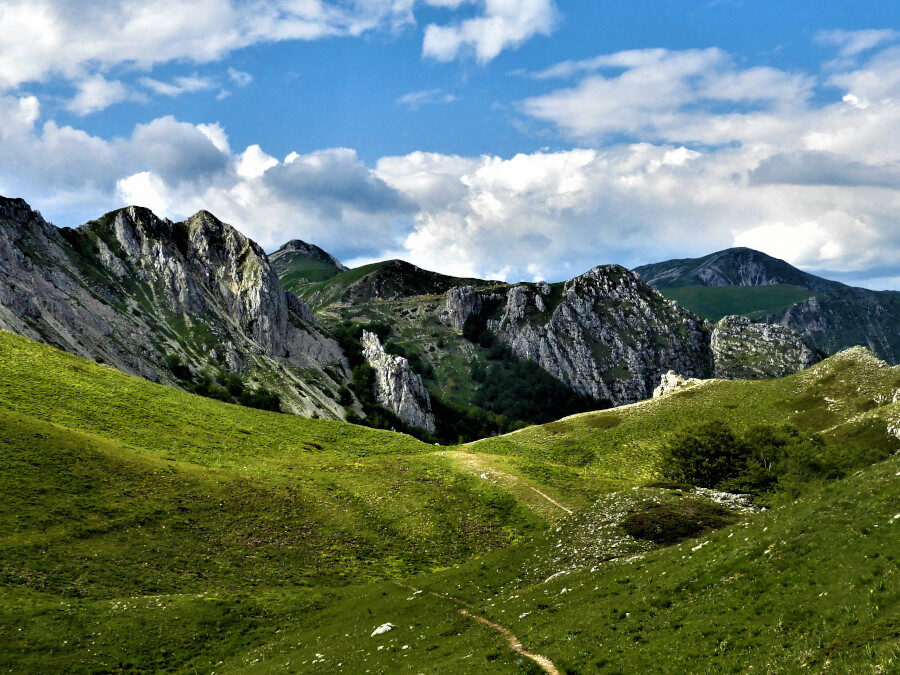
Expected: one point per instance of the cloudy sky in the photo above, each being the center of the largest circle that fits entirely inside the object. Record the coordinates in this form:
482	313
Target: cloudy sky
520	139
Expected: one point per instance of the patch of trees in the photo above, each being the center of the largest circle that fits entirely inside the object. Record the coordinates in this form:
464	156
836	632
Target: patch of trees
764	461
222	386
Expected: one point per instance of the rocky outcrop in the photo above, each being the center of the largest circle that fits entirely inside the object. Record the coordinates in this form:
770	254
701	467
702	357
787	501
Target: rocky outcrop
461	302
743	349
607	334
844	317
131	289
397	387
671	382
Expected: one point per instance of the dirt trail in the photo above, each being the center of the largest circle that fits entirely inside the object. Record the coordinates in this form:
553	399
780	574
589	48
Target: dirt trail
481	465
546	664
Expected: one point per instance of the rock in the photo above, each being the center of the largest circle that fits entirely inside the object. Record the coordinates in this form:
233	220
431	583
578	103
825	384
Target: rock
460	303
130	288
671	382
383	628
397	387
610	337
745	349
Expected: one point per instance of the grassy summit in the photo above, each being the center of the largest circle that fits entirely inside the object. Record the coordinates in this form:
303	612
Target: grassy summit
145	528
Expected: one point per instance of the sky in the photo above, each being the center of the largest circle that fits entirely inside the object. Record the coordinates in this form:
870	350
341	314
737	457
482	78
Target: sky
513	139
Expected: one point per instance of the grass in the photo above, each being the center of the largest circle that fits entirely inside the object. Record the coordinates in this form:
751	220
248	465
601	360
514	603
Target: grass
714	302
837	396
147	529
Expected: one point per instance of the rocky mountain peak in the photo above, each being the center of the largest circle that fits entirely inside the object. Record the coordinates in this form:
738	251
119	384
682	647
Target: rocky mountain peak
132	290
738	266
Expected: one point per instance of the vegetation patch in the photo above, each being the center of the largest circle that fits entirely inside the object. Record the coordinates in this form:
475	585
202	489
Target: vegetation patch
674	521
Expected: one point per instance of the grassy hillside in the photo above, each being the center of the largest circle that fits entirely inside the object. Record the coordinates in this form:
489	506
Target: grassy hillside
714	302
845	396
148	529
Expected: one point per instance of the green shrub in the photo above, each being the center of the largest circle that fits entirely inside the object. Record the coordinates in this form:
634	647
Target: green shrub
674	521
763	461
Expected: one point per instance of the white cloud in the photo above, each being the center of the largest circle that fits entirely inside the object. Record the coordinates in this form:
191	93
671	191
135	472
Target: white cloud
253	162
179	85
853	42
78	41
416	99
57	37
657	94
813	183
95	93
503	24
239	77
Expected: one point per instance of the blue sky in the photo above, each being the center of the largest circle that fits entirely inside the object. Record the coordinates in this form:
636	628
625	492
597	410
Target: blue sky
511	138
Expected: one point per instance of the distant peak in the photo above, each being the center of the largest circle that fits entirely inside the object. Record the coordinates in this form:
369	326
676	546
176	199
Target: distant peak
310	250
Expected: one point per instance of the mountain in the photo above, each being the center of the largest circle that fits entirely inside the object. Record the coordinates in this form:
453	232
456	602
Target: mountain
831	316
193	304
153	530
731	267
493	356
298	263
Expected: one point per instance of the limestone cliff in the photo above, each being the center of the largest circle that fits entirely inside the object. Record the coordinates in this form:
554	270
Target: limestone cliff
397	387
605	334
743	349
131	289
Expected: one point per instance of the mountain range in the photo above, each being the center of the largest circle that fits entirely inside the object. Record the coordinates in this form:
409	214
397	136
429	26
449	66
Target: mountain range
195	304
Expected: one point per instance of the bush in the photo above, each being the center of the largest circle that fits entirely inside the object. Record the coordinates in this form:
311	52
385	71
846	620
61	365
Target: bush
672	522
705	455
762	461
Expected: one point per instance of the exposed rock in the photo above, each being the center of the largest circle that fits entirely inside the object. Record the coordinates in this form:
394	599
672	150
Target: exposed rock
843	317
743	349
130	288
461	302
611	336
397	387
671	382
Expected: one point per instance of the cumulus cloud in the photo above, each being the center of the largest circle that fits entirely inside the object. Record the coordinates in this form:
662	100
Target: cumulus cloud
501	25
657	94
824	168
58	37
96	93
814	183
83	41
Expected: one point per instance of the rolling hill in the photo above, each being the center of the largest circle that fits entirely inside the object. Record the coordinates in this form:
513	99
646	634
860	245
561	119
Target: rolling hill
147	528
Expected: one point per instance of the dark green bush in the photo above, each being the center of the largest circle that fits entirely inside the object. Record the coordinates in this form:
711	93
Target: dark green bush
762	461
674	521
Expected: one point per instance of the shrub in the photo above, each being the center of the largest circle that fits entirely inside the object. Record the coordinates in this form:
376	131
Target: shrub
671	522
762	461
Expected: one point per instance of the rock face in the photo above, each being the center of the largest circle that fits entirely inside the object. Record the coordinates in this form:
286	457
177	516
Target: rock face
841	318
606	334
461	303
131	289
397	387
671	382
745	349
